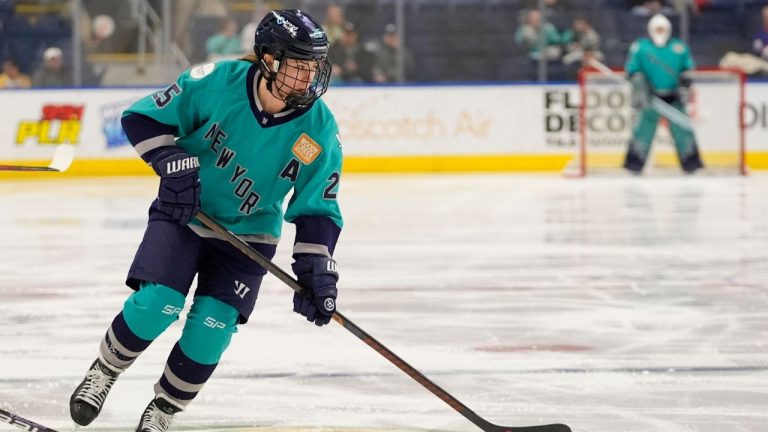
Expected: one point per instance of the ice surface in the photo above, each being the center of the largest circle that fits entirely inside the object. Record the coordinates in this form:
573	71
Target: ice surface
610	304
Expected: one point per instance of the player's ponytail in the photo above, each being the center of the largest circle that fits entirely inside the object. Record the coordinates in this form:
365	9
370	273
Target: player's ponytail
251	58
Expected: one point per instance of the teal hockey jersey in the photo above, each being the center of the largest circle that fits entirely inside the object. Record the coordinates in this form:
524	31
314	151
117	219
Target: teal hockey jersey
249	160
662	66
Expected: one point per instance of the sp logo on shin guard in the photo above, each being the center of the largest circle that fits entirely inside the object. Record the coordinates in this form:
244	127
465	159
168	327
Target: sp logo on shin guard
213	323
171	310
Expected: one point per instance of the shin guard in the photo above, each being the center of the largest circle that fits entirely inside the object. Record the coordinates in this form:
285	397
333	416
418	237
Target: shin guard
208	330
152	309
207	333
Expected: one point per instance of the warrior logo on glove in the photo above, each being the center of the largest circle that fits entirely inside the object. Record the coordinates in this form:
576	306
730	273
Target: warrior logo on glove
175	166
179	193
329	305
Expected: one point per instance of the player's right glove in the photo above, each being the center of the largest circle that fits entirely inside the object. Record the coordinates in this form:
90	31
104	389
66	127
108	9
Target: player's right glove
179	193
318	275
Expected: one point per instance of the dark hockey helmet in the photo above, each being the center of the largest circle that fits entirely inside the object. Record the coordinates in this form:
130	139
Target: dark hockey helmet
292	34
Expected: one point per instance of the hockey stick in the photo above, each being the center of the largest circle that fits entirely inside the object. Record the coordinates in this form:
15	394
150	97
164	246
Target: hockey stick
661	107
62	159
22	423
373	343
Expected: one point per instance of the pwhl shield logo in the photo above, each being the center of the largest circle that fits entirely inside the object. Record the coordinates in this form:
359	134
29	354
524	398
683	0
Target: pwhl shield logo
58	124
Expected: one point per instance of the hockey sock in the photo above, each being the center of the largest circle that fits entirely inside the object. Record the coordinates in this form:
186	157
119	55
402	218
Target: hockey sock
207	333
120	346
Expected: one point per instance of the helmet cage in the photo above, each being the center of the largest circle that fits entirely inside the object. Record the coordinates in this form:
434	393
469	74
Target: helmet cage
290	77
290	34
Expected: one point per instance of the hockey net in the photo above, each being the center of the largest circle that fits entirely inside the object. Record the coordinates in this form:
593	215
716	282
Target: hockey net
606	119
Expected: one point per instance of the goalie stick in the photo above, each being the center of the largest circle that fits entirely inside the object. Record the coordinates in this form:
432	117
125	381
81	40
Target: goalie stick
661	107
62	159
22	423
385	352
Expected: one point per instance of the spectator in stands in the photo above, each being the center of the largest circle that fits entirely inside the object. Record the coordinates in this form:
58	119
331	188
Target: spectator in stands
760	41
348	57
12	78
100	38
124	30
583	43
334	23
529	32
756	62
225	43
385	57
52	73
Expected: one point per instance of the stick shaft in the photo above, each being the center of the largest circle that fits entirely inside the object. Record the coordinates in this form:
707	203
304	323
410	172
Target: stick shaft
385	352
663	108
25	168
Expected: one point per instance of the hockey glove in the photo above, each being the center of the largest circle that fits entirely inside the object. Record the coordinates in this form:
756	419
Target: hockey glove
684	90
179	193
317	274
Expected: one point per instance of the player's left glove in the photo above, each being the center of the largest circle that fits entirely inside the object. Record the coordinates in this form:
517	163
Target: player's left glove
318	275
684	89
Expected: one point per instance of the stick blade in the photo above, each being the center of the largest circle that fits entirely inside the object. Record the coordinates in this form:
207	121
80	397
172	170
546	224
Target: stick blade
62	159
556	427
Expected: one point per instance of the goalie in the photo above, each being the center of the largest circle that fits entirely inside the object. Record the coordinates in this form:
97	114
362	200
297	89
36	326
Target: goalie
657	68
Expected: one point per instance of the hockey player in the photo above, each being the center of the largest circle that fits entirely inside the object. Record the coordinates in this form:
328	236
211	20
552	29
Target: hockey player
247	132
657	67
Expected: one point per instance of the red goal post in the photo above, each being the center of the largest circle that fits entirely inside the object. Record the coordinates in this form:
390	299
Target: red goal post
606	118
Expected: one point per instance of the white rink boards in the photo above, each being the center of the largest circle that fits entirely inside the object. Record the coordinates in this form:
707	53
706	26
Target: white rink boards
609	304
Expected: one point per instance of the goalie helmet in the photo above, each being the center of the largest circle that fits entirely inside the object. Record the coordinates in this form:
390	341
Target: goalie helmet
292	34
659	30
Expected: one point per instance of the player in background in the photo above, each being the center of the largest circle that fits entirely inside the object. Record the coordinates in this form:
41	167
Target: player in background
657	66
248	132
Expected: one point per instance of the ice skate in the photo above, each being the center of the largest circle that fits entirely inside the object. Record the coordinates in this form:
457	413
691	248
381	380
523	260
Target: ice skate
157	416
88	398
